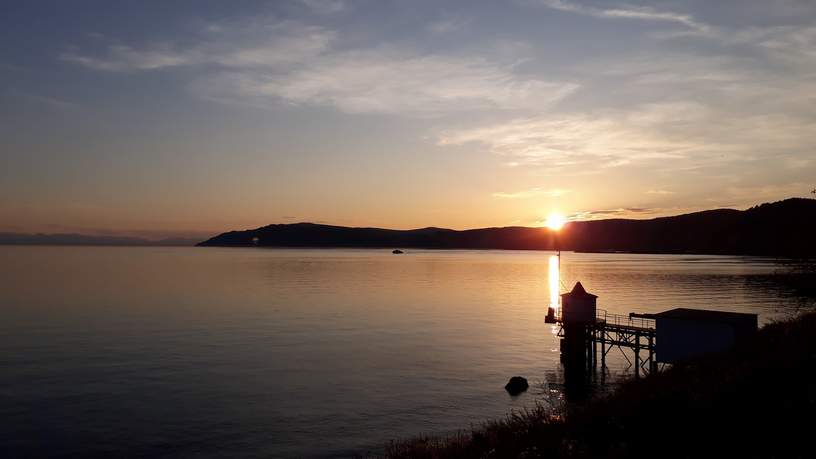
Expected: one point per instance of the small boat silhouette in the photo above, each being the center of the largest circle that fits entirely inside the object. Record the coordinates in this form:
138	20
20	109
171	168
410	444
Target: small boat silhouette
397	251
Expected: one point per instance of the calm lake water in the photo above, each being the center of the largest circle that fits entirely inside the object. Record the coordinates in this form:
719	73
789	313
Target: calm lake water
214	352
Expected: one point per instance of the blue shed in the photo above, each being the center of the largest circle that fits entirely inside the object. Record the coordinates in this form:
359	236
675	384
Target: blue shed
684	333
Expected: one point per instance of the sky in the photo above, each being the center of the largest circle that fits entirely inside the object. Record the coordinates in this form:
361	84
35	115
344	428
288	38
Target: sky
188	118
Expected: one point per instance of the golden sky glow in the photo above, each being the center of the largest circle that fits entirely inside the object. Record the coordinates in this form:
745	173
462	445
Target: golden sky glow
460	114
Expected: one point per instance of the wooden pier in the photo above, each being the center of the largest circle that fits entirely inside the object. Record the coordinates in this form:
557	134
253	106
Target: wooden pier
583	327
684	333
609	331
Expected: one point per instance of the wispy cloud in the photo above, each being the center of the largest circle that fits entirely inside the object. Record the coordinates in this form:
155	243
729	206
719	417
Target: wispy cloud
797	44
448	25
670	135
297	64
532	192
627	12
677	111
391	81
325	6
622	212
578	141
49	101
257	44
122	58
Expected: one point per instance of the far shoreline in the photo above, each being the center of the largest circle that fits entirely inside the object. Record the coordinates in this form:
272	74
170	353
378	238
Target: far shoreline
408	250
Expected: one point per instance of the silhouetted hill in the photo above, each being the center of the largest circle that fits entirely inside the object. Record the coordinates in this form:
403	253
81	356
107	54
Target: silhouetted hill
780	228
83	239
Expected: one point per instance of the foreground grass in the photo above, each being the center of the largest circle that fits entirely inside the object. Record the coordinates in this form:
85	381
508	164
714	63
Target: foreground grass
755	401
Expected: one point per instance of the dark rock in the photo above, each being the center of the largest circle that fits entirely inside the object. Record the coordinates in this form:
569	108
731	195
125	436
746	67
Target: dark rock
397	251
516	385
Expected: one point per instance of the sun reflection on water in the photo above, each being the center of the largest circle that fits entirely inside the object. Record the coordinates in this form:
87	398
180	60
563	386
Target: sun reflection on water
555	281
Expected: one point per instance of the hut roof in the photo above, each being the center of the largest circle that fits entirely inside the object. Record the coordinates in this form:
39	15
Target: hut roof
578	291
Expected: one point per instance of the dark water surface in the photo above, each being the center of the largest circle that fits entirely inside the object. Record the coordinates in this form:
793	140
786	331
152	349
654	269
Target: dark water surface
213	352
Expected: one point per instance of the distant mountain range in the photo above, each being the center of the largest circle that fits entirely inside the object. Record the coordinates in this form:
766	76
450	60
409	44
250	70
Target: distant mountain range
784	228
84	239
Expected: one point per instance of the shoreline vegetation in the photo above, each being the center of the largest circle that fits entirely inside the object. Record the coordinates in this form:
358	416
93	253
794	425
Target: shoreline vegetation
756	400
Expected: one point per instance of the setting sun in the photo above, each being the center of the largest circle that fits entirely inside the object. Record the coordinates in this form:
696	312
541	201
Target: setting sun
555	221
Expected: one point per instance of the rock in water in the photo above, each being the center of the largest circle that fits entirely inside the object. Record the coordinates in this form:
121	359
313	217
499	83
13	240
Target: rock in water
516	385
397	251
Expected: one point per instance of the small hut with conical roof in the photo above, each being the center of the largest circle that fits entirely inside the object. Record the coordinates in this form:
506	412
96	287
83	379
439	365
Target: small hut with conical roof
578	306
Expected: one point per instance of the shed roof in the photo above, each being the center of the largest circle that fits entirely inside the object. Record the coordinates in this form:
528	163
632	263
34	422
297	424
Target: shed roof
579	290
706	315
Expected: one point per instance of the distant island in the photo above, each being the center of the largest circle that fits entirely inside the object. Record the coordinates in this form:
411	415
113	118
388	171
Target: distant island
85	239
783	228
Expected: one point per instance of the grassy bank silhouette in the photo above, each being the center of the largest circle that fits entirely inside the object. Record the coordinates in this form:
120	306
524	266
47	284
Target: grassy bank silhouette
757	400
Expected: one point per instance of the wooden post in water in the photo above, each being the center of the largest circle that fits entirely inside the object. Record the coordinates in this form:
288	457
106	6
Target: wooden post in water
594	346
637	354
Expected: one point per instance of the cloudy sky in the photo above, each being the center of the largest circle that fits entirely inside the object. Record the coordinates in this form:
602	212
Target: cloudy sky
194	117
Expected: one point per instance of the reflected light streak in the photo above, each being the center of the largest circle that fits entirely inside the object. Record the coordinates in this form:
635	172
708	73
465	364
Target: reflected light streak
555	282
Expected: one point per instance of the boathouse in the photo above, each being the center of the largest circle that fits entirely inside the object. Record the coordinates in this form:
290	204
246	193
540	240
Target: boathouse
687	333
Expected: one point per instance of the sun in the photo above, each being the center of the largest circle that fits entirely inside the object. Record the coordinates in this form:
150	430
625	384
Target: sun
555	221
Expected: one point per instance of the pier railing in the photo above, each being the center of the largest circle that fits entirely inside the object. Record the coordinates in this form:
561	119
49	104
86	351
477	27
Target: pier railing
620	320
636	332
